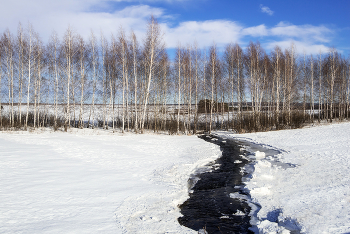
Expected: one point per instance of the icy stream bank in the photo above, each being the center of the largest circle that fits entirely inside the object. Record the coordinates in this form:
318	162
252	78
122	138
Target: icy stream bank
265	156
219	200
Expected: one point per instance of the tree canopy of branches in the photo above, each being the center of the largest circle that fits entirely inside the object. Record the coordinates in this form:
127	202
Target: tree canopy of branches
131	84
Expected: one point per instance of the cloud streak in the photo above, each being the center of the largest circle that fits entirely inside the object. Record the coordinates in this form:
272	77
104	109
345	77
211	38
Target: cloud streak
205	33
256	31
300	46
86	15
266	10
81	15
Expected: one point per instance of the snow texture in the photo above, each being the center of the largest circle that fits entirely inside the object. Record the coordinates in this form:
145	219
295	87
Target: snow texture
305	188
92	181
89	181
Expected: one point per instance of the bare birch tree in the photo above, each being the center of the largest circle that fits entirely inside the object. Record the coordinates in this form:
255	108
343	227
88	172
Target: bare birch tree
179	84
69	52
153	46
94	68
135	57
30	57
213	67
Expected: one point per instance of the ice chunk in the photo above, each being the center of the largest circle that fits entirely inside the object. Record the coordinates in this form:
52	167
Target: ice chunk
267	227
202	231
261	191
239	213
259	155
238	196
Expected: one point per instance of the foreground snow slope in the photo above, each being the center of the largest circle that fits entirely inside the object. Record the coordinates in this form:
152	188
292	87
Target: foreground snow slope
315	193
95	182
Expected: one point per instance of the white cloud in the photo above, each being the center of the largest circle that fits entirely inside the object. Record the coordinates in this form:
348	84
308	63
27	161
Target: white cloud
139	11
98	15
306	38
205	33
81	15
266	10
256	31
310	32
300	46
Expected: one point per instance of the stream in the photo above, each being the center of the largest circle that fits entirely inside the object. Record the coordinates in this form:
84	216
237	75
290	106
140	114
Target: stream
218	202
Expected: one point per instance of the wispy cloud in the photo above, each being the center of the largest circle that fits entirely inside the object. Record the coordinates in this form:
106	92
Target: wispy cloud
204	32
307	32
266	10
256	31
98	15
81	15
301	46
306	38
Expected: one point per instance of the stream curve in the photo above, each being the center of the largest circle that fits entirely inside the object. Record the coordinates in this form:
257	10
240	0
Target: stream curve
216	201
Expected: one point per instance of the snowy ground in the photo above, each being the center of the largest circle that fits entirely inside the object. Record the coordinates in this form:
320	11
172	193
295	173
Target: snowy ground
95	182
315	194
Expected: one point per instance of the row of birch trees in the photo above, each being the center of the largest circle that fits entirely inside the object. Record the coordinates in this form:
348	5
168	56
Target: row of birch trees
124	83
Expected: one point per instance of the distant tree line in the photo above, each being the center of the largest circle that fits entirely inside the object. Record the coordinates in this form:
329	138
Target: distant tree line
120	83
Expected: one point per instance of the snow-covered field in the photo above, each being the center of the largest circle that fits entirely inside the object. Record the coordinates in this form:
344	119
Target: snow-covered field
95	182
315	194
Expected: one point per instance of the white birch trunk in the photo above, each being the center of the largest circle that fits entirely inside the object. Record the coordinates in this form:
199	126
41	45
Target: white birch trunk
29	74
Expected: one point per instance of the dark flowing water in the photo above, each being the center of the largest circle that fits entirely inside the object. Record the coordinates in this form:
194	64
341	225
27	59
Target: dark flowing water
210	206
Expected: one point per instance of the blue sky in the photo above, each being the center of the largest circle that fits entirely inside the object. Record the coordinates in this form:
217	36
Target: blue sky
313	26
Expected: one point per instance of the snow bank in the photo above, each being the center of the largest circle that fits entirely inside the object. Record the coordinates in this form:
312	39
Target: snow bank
91	181
306	187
